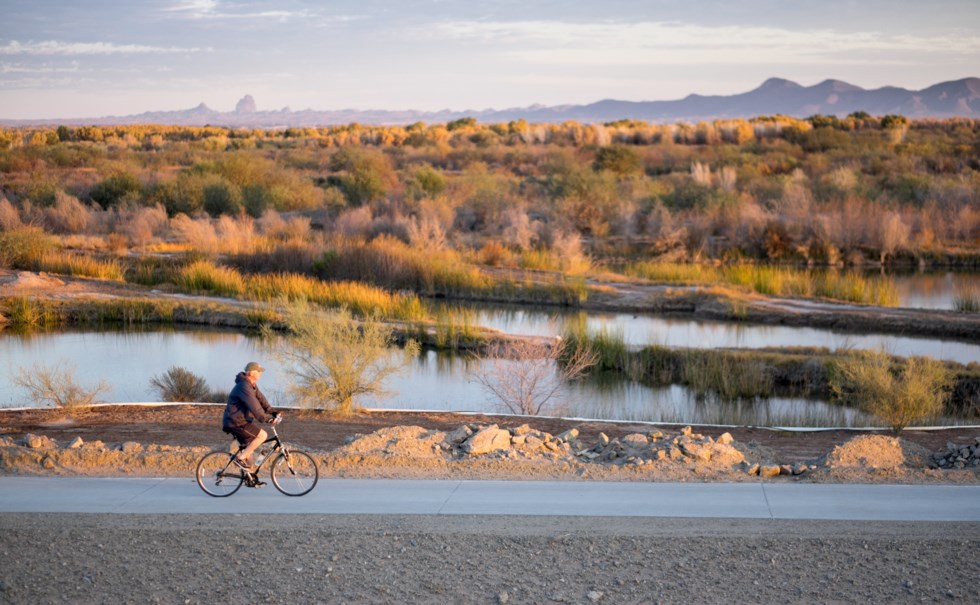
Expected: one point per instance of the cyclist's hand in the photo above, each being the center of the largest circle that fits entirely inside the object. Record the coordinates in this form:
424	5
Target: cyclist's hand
276	418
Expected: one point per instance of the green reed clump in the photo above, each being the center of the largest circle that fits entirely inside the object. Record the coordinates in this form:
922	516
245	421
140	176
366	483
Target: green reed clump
968	302
729	376
25	313
607	344
455	329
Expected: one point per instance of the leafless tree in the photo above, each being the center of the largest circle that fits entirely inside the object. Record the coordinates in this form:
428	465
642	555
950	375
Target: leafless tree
529	377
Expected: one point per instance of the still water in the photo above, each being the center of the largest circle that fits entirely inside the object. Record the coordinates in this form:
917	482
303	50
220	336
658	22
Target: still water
642	330
128	360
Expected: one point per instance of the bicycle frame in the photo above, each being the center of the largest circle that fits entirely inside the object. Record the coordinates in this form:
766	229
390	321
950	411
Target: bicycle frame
278	447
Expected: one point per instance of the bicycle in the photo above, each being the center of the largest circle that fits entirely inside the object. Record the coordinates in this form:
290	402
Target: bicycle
294	473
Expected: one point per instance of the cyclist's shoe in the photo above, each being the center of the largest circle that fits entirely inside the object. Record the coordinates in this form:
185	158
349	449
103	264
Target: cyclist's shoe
253	481
242	464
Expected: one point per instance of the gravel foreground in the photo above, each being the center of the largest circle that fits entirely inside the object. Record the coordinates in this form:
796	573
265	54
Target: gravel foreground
192	559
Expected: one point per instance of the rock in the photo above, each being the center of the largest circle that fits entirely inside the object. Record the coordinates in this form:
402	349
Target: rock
656	435
603	440
518	440
38	442
75	443
753	469
524	429
636	441
532	443
459	435
131	447
725	439
503	598
799	468
687	431
699	451
486	440
594	596
569	435
769	470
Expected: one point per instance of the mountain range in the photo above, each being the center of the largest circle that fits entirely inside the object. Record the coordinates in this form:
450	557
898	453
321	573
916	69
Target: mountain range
958	98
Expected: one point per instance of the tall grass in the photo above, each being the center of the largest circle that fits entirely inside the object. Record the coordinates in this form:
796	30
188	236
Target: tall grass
361	299
80	266
390	263
968	302
608	345
776	281
456	328
27	313
727	376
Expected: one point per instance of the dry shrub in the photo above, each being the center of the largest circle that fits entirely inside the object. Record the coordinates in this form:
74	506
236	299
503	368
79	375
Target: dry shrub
180	384
9	216
495	254
66	215
529	377
335	360
58	386
354	223
898	395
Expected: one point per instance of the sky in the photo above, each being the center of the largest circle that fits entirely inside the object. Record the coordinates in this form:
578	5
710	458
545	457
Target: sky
93	58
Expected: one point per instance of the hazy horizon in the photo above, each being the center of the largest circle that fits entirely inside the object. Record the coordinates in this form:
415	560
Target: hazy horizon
61	60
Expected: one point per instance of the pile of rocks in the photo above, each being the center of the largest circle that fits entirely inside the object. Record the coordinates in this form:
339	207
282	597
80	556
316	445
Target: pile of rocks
635	449
959	456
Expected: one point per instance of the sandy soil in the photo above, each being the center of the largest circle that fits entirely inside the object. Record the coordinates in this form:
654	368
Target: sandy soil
201	559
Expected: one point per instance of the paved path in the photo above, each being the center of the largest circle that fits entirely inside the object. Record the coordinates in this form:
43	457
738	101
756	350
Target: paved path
560	498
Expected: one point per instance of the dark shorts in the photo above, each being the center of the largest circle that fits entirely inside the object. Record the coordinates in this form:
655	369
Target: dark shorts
245	433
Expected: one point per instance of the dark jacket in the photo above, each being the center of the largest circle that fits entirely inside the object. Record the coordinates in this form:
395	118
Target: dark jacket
246	404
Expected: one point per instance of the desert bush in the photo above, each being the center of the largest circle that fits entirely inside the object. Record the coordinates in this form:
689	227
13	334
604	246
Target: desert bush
899	394
23	247
9	215
530	377
58	386
66	215
180	384
334	360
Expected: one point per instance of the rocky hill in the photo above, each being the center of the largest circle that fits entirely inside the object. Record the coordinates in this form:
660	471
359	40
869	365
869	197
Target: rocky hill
959	98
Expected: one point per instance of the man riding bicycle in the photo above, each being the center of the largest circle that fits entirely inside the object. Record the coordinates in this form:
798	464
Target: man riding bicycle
246	406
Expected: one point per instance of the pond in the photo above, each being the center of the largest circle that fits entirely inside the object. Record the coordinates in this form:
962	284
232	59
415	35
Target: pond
641	330
934	289
433	381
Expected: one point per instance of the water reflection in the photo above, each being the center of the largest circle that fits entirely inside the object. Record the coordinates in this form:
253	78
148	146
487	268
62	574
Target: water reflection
433	381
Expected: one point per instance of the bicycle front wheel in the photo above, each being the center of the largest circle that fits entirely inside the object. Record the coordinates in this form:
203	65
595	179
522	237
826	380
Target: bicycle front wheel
218	476
294	473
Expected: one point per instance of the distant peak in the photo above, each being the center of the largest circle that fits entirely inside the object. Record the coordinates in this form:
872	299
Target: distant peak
245	105
777	84
837	86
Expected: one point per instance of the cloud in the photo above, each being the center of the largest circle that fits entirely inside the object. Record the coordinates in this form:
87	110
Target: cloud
555	42
55	47
212	10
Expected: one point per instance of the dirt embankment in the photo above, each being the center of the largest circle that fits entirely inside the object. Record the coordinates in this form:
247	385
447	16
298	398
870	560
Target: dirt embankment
168	440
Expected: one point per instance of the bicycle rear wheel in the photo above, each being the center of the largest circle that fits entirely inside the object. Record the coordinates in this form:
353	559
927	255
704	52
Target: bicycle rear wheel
294	473
218	476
